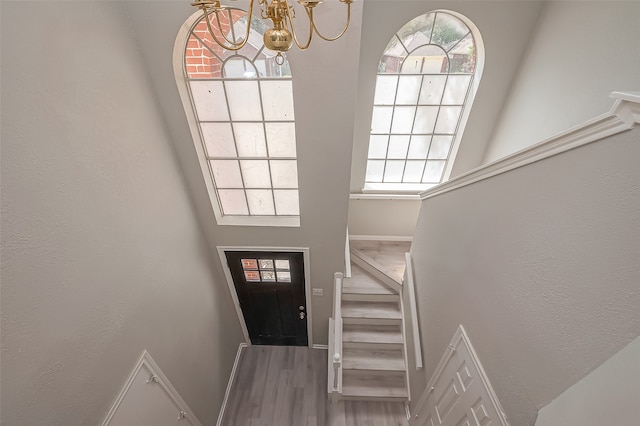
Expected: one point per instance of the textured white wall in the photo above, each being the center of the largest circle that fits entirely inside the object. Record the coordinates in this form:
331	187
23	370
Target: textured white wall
607	396
101	252
580	52
540	265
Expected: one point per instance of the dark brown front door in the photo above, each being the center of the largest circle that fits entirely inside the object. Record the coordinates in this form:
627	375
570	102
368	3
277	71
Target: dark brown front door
271	291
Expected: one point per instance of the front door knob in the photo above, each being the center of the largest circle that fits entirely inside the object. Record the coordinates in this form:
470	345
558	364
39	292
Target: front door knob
301	315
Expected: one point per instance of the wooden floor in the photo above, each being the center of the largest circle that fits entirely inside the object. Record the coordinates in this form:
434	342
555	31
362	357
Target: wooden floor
287	386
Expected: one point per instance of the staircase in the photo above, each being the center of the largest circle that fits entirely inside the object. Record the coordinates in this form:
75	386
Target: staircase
373	350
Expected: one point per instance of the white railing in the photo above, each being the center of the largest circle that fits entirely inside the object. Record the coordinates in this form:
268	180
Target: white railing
335	342
413	307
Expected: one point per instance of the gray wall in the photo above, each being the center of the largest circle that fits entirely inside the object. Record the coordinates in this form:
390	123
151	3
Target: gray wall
581	51
102	255
607	396
540	265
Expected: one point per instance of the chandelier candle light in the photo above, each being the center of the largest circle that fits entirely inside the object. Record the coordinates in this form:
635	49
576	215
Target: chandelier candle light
281	37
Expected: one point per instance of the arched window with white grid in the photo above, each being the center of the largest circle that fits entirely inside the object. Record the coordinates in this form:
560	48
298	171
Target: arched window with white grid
239	105
427	78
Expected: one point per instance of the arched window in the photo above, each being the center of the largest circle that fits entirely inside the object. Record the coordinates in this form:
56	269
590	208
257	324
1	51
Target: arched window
427	78
240	109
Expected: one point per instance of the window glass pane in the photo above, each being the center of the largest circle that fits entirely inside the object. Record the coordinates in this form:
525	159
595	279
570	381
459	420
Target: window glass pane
403	119
456	89
209	100
256	173
425	119
252	276
463	56
268	276
413	171
226	173
392	57
417	31
250	139
249	263
448	30
266	263
433	172
218	139
282	264
239	67
448	119
233	202
440	147
260	202
378	146
281	139
419	147
381	120
244	100
431	90
283	276
385	90
398	145
375	169
393	171
426	60
408	89
284	173
287	203
277	97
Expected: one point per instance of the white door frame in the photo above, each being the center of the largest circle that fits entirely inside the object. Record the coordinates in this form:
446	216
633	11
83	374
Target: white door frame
234	294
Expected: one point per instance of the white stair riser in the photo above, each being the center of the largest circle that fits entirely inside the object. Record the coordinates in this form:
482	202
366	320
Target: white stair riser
372	321
371	345
367	372
373	398
370	297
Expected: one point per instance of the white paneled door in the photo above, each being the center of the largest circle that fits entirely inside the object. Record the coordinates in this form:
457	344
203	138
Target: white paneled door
459	393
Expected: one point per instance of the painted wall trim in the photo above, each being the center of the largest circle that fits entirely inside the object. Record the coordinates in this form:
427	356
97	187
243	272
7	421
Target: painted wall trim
146	361
415	327
322	347
461	337
232	377
380	196
380	238
622	116
234	295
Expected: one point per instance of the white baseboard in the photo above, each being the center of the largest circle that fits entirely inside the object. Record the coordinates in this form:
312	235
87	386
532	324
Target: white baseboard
232	376
325	347
380	238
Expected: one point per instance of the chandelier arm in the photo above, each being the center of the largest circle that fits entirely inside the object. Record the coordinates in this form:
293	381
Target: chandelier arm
293	29
233	46
344	30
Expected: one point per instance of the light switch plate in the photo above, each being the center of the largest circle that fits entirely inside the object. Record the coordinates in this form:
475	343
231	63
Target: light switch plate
318	292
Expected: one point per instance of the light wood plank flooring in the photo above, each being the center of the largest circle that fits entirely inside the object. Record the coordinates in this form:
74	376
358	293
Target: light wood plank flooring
287	386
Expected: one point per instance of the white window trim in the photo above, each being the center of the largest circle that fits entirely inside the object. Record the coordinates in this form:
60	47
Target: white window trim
181	81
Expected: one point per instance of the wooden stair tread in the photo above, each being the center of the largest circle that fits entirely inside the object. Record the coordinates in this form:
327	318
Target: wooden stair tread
384	334
361	282
381	310
373	359
374	386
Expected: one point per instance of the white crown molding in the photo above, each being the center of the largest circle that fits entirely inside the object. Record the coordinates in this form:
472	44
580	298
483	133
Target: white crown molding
232	377
622	117
147	362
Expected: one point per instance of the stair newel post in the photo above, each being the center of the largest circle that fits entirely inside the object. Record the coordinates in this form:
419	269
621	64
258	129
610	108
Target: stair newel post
337	334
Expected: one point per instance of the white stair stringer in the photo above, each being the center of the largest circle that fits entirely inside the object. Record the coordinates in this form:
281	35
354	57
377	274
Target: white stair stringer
373	358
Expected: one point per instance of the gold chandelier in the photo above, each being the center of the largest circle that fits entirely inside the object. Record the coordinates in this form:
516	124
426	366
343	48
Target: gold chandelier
281	37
